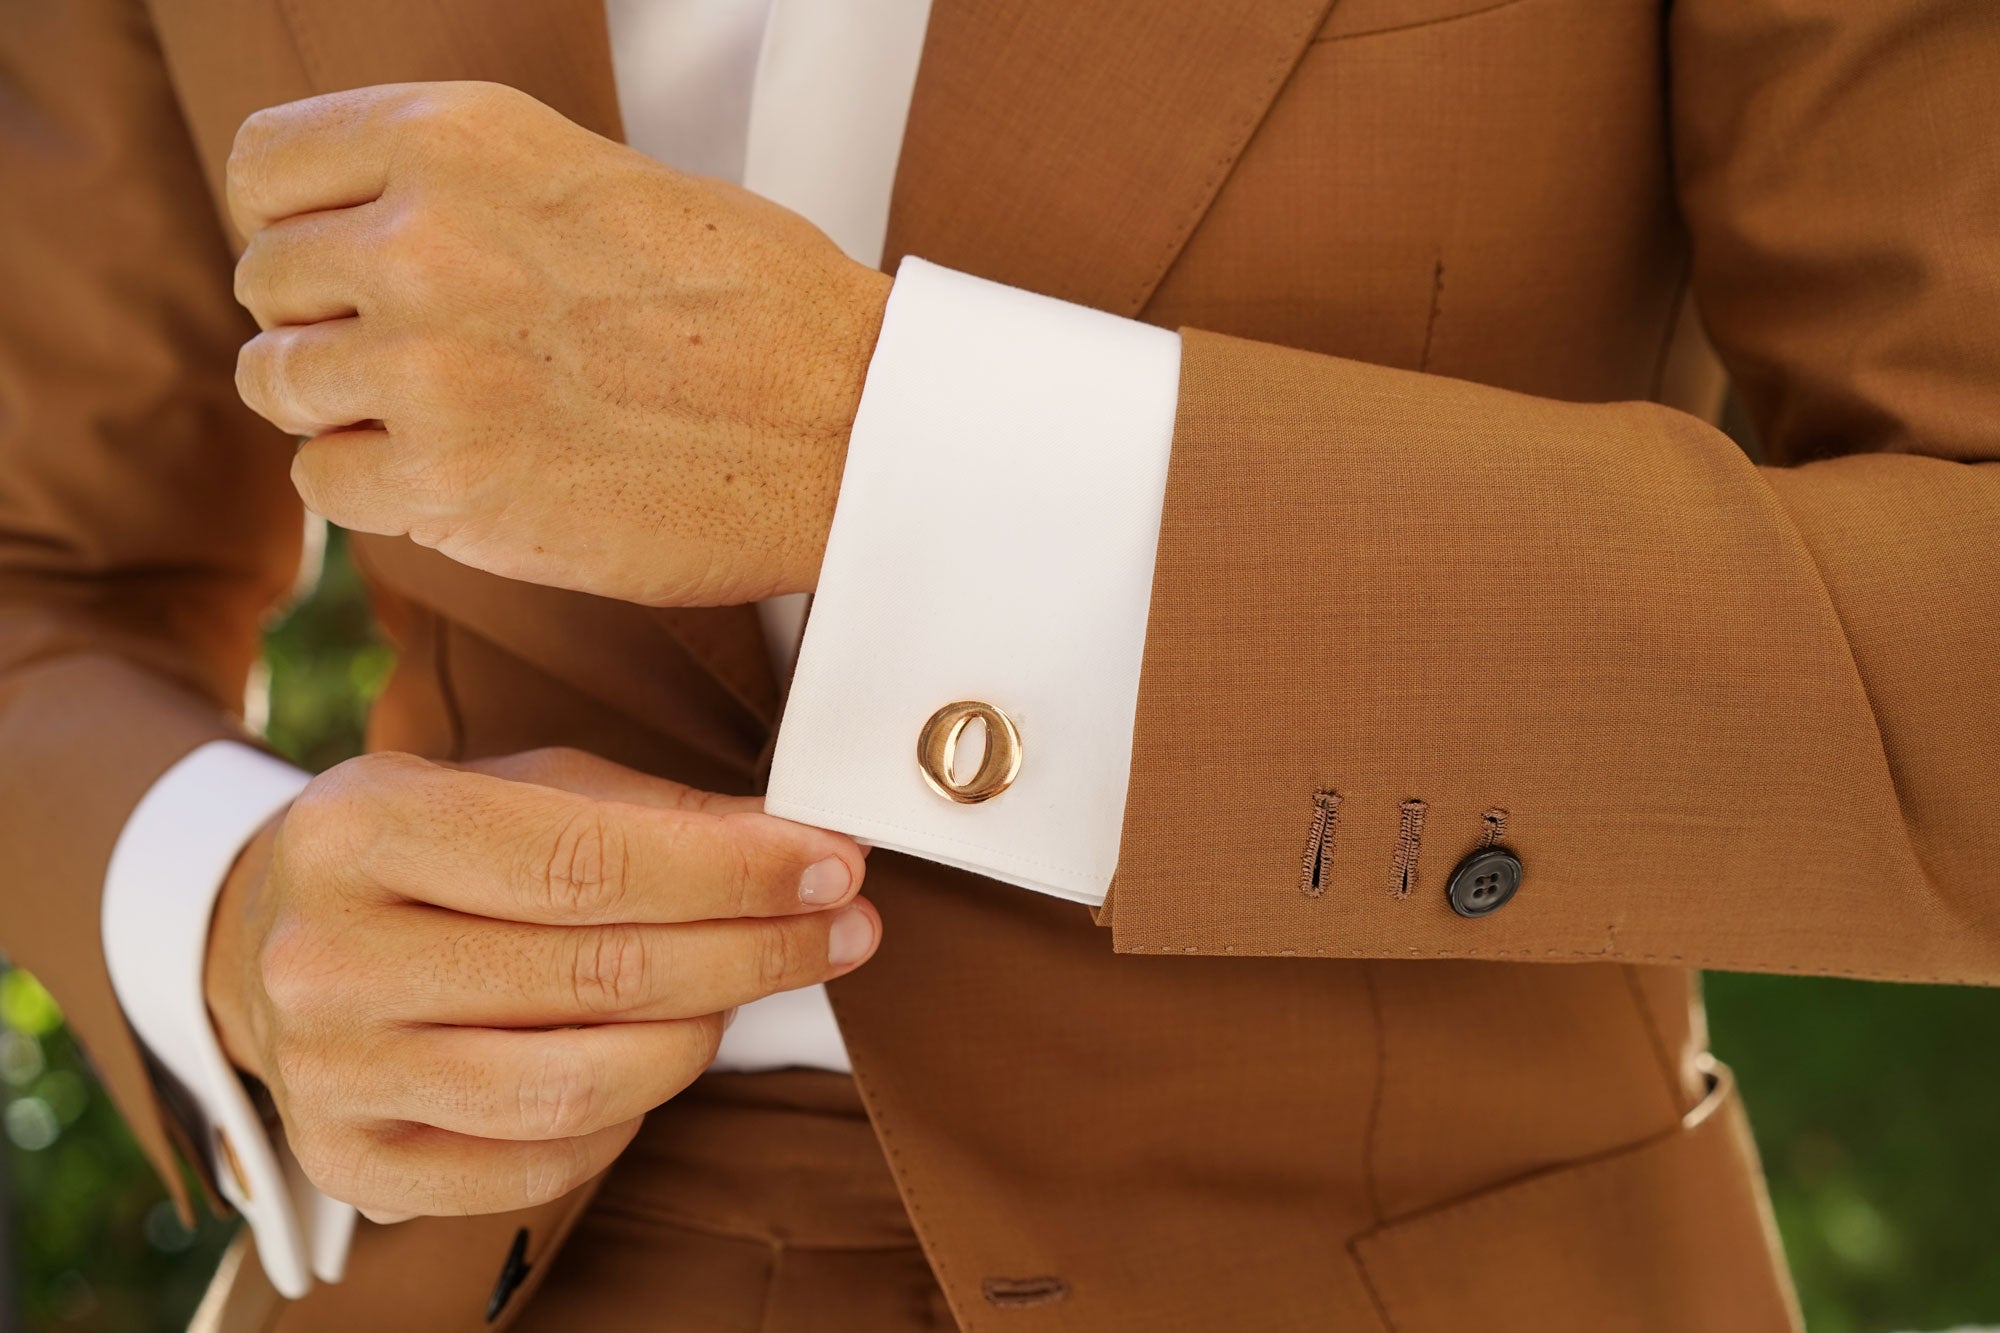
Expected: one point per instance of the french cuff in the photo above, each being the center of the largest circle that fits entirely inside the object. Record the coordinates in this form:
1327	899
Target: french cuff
993	545
160	888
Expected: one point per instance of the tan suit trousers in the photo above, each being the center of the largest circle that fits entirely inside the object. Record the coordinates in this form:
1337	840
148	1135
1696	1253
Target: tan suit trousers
758	1203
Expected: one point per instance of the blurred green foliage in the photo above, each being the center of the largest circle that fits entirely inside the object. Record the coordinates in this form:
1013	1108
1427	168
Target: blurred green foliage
1877	1111
1877	1108
96	1244
326	664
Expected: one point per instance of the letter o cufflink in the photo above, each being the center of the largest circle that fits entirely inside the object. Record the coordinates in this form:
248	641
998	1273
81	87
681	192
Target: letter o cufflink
937	747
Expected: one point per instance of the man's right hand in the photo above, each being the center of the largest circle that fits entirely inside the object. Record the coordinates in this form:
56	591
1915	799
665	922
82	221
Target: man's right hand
465	986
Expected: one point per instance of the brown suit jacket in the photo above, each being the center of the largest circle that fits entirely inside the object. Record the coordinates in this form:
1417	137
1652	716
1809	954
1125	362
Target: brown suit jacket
1431	536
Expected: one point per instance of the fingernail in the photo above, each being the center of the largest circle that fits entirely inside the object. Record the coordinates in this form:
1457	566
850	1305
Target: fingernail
825	881
850	939
729	1018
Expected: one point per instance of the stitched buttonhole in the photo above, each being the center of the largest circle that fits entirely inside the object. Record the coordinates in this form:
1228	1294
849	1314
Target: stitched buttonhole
1409	838
1493	826
1020	1293
1316	868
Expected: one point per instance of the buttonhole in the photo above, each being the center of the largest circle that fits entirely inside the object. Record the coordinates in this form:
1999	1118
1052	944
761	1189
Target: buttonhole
1020	1293
1409	840
1316	867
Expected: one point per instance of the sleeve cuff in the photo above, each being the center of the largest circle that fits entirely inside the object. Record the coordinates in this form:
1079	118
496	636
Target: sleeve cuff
994	540
160	888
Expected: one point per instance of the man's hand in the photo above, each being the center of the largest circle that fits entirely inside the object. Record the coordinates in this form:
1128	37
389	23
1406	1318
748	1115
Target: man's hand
541	352
464	989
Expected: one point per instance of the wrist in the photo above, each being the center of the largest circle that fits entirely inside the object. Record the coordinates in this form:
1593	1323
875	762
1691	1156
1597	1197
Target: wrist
226	968
818	498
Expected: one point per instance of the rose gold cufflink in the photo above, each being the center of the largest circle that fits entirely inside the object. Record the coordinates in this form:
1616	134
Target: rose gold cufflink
937	747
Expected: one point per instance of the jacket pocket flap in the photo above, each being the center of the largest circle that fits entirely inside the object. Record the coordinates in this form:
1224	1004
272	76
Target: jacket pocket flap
1669	1234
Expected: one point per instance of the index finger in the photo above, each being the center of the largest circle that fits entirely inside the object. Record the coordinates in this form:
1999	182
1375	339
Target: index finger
520	852
324	152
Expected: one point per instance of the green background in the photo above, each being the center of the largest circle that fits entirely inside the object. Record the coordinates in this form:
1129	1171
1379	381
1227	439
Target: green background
1877	1108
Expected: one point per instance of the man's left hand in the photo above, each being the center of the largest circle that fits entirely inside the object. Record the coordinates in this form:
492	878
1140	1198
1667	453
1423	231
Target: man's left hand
541	352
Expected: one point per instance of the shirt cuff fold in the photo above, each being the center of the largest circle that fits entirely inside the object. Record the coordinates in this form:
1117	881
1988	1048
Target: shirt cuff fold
160	888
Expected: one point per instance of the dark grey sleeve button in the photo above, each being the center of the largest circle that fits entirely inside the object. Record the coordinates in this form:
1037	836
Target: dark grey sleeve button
1484	881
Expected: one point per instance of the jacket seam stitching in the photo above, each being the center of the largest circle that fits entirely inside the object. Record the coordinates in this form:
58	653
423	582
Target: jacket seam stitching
1370	1180
1439	21
1655	1039
1207	947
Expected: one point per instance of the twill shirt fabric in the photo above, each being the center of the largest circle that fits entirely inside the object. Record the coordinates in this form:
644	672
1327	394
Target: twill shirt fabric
1447	536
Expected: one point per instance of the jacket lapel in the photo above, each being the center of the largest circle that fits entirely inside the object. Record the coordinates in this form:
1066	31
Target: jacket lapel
1071	148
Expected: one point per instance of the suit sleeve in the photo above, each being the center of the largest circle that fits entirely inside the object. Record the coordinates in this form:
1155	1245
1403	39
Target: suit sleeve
1727	715
146	522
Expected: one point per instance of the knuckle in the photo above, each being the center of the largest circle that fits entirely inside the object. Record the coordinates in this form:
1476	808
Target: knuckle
332	1161
334	829
558	1168
322	815
464	102
425	259
302	1071
368	780
745	868
382	766
328	794
251	374
610	970
244	283
282	365
586	869
321	805
708	1031
472	102
421	265
782	956
313	491
406	246
442	103
290	969
558	1098
246	153
555	761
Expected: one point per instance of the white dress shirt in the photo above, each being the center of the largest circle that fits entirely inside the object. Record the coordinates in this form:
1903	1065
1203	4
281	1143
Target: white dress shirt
1028	590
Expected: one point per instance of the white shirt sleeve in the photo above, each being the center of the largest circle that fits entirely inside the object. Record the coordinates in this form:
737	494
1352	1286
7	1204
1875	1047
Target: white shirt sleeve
160	888
994	540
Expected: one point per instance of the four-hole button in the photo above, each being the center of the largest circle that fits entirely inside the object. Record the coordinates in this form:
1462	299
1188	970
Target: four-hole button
1484	881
